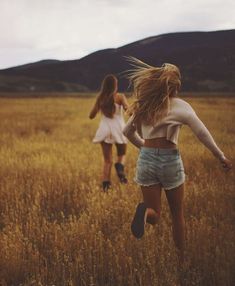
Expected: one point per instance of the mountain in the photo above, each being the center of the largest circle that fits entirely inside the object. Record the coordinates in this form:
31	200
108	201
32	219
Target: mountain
18	83
206	61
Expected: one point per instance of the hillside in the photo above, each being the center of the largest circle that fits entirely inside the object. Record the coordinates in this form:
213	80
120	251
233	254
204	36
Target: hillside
206	60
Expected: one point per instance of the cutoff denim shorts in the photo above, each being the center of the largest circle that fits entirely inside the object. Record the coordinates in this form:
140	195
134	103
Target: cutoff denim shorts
160	166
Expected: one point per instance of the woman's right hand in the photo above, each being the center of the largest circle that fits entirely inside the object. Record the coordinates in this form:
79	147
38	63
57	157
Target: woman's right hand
226	164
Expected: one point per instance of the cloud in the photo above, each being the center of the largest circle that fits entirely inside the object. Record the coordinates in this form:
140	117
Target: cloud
69	29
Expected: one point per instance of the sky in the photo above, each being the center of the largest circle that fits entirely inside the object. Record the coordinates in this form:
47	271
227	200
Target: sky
33	30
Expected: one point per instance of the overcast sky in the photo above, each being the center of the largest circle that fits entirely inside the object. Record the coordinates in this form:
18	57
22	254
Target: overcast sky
32	30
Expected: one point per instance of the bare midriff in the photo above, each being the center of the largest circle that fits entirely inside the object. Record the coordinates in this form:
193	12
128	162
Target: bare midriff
160	142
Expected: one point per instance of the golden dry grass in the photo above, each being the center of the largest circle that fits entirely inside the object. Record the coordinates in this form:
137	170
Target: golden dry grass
58	228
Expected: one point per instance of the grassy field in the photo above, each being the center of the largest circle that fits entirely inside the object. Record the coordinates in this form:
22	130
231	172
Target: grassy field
58	228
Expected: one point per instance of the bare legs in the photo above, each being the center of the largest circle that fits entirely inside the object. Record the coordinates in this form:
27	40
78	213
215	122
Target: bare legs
108	159
152	199
175	200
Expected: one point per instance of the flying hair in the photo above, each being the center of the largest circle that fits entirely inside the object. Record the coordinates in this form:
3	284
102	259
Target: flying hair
152	88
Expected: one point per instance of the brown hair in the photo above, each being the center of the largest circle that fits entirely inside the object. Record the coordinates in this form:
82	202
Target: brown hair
152	88
105	99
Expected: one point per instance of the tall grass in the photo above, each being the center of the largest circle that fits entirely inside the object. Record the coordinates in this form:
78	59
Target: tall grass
58	228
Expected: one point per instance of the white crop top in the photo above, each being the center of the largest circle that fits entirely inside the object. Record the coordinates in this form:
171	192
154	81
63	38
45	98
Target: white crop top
180	113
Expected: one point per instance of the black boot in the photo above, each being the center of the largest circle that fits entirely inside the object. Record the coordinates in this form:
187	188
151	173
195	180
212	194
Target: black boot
138	223
120	172
106	185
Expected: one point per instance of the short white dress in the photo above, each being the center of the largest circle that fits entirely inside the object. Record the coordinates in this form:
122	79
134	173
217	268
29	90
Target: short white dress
110	129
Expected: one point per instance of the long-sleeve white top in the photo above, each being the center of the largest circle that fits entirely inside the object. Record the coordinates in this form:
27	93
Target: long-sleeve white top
180	113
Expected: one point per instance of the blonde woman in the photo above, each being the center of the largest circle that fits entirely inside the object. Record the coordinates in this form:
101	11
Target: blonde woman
111	104
157	115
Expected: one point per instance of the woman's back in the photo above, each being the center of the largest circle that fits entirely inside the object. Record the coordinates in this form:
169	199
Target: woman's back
180	113
169	126
117	113
110	128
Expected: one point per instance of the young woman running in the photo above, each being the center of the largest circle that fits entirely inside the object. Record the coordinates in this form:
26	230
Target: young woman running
157	115
111	104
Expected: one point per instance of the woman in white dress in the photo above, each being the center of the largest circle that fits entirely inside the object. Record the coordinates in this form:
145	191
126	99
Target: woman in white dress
111	104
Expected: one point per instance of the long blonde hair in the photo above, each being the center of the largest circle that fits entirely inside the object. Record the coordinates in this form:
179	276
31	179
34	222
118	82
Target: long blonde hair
105	99
152	88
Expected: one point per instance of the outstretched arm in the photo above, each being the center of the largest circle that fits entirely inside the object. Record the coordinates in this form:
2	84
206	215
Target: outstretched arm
94	111
203	134
130	132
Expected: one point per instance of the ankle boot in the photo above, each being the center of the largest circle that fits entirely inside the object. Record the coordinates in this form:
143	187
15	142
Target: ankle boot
106	185
120	172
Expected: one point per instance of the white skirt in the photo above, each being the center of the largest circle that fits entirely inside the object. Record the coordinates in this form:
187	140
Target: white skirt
110	131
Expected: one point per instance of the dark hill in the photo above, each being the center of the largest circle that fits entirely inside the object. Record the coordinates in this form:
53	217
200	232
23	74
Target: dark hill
206	60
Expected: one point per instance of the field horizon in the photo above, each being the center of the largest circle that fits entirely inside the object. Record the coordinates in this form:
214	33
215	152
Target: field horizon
92	94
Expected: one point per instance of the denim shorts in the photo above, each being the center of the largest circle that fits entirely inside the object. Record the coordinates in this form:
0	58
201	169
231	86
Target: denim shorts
160	166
